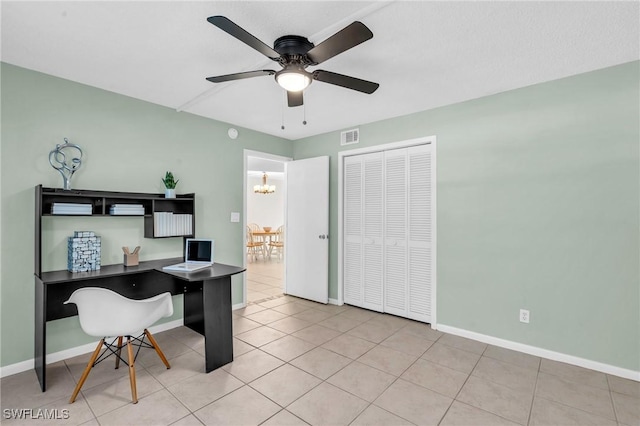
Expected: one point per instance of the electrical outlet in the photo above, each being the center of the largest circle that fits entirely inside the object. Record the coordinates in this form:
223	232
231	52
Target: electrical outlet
524	316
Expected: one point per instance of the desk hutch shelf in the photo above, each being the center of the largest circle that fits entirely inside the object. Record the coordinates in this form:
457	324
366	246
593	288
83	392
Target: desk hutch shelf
101	203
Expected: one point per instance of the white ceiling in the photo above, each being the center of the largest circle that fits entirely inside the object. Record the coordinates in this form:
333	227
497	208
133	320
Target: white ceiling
424	54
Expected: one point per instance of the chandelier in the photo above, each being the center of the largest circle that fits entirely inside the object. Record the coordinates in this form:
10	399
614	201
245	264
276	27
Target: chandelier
264	188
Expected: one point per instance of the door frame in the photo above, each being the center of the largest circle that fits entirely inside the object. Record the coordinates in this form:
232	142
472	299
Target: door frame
267	156
426	140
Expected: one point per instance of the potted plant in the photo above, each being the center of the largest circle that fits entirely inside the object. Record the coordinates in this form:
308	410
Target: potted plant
170	185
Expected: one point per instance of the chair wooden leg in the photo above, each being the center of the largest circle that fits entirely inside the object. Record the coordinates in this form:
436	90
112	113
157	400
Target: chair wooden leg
86	372
132	371
118	352
157	348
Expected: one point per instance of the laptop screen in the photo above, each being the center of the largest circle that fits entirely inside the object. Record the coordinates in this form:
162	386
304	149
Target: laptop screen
198	250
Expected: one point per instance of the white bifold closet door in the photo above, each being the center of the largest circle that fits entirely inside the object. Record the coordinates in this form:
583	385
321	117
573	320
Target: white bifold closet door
388	231
363	238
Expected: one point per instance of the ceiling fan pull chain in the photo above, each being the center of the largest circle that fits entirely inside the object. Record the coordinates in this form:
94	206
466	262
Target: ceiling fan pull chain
304	114
282	108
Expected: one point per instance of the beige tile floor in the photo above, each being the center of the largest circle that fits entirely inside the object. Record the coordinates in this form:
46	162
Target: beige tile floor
299	362
264	279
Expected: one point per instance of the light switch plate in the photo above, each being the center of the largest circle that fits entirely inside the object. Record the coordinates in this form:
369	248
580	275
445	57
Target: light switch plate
235	217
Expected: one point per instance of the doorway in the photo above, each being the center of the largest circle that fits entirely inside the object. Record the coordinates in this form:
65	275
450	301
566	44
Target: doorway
264	214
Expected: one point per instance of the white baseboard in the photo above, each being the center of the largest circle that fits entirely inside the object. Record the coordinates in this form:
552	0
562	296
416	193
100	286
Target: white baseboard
544	353
18	367
238	306
21	366
334	302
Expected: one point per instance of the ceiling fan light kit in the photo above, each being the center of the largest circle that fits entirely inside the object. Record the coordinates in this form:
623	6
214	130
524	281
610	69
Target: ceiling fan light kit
295	53
293	79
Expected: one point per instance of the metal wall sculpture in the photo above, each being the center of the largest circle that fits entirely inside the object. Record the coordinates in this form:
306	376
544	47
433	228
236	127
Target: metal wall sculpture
58	160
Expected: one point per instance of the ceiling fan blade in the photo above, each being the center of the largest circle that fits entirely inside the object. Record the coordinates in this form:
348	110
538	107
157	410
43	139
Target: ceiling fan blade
345	81
294	98
225	24
348	37
240	76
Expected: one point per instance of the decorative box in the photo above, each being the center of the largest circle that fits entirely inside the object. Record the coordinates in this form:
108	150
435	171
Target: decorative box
84	252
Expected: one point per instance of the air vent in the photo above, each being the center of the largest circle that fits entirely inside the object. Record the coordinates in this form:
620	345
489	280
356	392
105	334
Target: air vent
349	137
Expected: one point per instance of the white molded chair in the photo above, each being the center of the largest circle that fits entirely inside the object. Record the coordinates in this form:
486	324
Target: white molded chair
104	313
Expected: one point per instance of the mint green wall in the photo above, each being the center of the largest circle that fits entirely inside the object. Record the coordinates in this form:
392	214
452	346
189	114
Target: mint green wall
128	146
538	208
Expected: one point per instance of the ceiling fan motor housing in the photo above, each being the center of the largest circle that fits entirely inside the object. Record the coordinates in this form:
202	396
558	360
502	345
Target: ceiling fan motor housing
293	51
292	45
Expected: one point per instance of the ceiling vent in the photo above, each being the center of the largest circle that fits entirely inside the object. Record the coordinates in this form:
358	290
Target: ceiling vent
349	137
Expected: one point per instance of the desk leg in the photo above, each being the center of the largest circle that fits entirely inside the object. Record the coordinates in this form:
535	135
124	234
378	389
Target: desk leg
40	346
218	326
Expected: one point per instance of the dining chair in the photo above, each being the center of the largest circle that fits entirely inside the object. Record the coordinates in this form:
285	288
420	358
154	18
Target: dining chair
254	246
276	243
104	313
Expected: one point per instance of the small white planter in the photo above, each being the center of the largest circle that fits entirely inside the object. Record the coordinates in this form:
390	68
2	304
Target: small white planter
169	193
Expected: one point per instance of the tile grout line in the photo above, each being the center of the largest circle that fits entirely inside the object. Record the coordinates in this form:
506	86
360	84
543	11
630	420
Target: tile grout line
613	404
535	389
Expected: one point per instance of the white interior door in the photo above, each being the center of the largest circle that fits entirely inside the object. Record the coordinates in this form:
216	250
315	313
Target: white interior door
307	229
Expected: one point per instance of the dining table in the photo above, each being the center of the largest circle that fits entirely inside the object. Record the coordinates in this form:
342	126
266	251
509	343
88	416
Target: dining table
265	236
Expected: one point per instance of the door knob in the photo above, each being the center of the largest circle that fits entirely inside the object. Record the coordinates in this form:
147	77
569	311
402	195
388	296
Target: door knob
322	236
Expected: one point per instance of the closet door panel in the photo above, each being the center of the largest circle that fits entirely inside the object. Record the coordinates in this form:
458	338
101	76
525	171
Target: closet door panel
395	245
352	274
395	301
420	241
352	239
373	223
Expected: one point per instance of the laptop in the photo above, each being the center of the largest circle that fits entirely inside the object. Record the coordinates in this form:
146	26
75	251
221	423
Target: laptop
198	255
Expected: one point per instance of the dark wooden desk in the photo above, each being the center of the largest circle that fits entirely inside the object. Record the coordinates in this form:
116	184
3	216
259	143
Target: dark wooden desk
207	301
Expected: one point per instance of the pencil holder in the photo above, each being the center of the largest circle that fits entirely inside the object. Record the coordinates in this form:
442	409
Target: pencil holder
131	259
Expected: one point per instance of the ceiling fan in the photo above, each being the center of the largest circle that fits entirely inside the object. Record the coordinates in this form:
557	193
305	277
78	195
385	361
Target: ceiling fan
296	53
